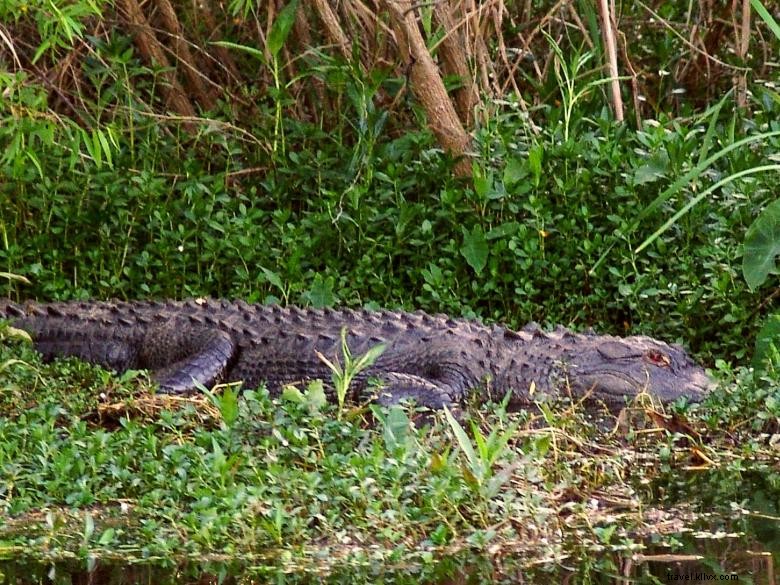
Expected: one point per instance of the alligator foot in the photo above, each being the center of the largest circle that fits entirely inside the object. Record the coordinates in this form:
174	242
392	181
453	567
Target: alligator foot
182	359
396	387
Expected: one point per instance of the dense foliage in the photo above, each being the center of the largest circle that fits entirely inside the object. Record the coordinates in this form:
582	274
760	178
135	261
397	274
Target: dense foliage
314	178
377	218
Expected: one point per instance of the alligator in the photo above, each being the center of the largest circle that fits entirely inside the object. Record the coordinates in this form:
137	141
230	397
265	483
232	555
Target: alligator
433	359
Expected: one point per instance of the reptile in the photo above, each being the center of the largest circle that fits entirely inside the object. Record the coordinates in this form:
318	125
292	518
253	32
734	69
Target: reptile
435	360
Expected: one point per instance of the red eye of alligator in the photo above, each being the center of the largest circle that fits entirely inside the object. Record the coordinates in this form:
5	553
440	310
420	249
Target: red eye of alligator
657	358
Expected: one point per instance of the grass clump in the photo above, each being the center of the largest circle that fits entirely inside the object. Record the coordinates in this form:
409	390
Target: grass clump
271	481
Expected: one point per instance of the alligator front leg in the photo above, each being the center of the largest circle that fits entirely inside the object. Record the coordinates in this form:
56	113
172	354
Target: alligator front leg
181	358
397	386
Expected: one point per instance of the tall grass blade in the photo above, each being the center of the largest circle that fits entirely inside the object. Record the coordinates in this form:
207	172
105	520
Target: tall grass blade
687	207
766	17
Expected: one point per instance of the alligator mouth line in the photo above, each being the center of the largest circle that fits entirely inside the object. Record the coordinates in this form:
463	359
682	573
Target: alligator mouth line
637	385
598	388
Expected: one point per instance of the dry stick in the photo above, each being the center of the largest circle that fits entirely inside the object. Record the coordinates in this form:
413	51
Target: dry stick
581	26
217	87
367	14
364	26
608	32
460	18
317	102
224	58
634	81
743	42
527	8
377	50
526	41
7	40
765	61
703	52
182	51
45	79
705	19
551	57
511	68
707	22
153	53
264	35
681	68
428	86
498	17
480	48
240	132
332	27
498	29
626	58
454	62
62	70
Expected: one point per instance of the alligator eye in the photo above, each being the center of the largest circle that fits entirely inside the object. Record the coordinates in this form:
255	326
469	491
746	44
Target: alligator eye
658	358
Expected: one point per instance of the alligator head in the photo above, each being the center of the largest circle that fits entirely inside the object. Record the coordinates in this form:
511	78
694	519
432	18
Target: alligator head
611	369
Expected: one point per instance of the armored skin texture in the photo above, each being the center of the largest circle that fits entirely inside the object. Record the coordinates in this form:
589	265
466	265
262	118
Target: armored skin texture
433	359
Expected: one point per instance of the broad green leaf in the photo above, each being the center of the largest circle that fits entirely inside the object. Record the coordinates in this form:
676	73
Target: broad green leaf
219	453
542	445
228	405
463	440
762	245
426	17
395	428
509	228
515	171
105	147
107	536
369	357
483	184
605	533
654	169
273	278
320	294
481	444
345	351
475	248
315	396
291	394
770	333
535	159
92	144
282	27
34	160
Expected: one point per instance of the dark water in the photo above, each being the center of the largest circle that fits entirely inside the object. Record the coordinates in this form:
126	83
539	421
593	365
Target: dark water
741	551
731	535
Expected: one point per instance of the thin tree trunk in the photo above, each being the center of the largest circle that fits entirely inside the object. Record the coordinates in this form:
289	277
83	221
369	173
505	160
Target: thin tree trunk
428	86
190	68
154	54
454	62
610	44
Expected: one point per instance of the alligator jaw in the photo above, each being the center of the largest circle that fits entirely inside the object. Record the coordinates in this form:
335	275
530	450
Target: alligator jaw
620	370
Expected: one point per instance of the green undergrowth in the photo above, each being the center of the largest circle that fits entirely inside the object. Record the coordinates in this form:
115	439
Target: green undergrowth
358	206
98	468
545	229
